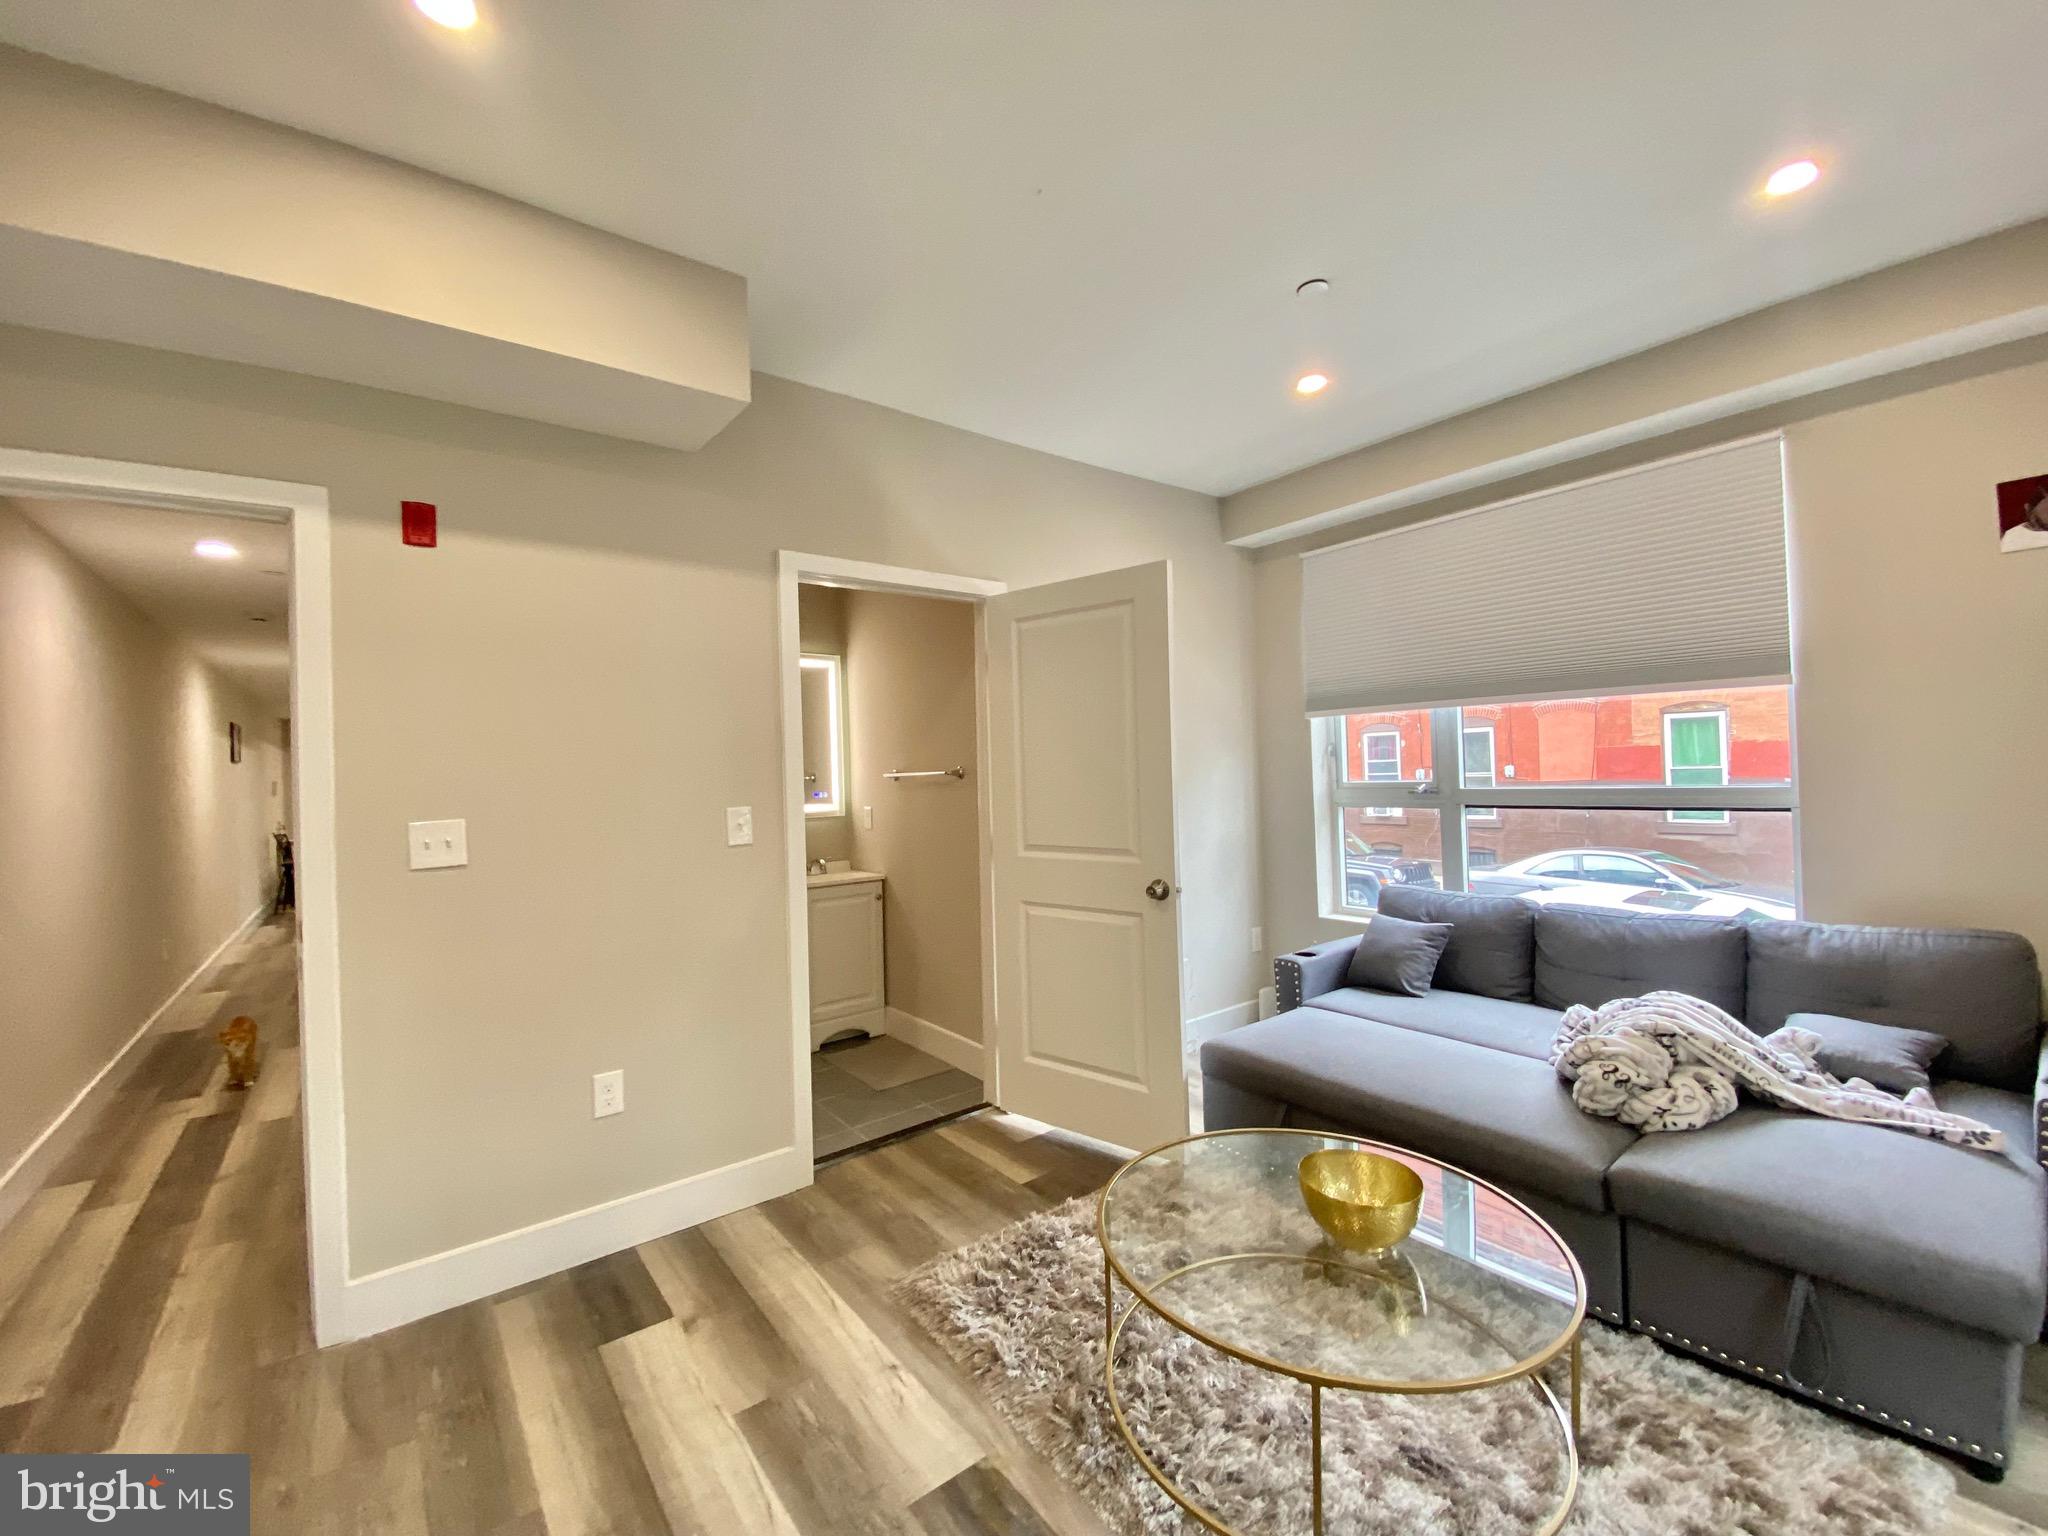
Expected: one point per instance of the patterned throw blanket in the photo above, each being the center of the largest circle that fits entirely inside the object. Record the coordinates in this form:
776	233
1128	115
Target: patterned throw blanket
1669	1062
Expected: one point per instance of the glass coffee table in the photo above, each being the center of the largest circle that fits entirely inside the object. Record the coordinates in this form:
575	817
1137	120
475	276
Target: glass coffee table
1211	1234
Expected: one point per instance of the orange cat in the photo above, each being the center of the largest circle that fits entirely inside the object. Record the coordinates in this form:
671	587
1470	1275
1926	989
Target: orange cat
239	1041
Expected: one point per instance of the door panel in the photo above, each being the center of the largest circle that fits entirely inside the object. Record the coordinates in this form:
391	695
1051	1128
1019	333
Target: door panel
1077	732
1083	1003
1088	1028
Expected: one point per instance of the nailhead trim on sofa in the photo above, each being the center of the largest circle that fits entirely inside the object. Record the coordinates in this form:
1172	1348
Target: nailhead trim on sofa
1879	1416
1287	990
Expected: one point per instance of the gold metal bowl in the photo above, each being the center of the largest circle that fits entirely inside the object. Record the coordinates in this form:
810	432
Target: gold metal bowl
1366	1202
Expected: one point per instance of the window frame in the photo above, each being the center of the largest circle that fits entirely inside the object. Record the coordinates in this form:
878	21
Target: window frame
1365	766
1465	734
1454	800
1685	816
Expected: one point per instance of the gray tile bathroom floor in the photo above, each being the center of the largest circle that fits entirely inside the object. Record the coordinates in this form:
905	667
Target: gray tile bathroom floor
846	1111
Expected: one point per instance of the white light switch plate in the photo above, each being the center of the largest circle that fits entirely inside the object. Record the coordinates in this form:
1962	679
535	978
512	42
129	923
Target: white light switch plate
437	844
607	1094
867	818
739	825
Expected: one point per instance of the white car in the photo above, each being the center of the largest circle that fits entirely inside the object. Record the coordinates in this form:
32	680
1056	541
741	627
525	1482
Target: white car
1630	879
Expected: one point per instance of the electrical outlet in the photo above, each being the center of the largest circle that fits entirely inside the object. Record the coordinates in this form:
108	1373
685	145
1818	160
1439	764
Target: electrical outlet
607	1094
1258	941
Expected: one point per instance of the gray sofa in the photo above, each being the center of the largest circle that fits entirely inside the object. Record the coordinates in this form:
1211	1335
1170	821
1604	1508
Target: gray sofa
1869	1270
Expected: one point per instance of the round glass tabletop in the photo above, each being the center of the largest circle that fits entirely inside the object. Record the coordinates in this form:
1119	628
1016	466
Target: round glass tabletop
1212	1233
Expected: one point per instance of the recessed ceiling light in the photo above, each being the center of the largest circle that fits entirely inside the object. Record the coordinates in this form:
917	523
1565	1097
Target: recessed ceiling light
456	15
216	549
1311	383
1311	288
1794	176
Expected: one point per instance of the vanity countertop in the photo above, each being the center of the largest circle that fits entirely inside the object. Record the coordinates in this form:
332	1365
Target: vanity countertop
840	877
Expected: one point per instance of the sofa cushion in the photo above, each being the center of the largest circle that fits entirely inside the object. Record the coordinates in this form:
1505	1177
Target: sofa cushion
1956	1234
1395	955
1883	1055
1982	990
1591	957
1520	1028
1498	1115
1493	939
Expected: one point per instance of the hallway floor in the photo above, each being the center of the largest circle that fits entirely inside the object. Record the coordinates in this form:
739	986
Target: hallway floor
865	1090
750	1375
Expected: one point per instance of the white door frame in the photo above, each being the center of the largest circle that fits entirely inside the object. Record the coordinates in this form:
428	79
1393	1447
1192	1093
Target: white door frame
25	472
792	570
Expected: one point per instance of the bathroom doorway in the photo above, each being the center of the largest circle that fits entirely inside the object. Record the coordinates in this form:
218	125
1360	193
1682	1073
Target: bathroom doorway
892	812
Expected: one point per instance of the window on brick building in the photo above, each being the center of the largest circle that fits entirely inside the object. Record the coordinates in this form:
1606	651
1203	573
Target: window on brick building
1648	802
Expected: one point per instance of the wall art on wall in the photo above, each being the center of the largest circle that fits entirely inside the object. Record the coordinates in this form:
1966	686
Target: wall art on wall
2023	514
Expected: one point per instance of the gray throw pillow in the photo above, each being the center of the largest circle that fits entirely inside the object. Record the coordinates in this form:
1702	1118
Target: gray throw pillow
1883	1055
1396	955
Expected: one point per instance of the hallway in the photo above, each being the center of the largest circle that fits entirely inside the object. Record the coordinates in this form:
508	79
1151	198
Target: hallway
157	1281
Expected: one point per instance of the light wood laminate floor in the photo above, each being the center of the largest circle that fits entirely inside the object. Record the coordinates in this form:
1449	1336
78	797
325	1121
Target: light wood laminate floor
749	1375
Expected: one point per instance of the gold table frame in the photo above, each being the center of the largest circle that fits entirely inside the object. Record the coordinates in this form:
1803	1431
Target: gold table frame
1529	1369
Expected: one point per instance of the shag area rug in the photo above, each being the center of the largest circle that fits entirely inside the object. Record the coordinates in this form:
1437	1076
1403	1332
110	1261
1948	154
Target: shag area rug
1670	1448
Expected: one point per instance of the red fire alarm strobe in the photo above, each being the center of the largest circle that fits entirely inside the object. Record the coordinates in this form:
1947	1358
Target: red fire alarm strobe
417	517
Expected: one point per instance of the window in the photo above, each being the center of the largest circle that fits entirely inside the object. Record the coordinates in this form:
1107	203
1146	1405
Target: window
1696	754
1619	869
1659	802
1374	858
1382	756
1478	744
1378	749
1635	860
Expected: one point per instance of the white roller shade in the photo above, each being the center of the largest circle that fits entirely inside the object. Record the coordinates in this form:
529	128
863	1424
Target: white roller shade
1670	576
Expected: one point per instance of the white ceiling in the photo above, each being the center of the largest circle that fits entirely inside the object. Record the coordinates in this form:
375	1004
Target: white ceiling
145	554
1079	225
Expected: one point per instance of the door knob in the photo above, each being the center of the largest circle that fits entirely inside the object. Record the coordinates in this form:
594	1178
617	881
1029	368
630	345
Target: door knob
1158	890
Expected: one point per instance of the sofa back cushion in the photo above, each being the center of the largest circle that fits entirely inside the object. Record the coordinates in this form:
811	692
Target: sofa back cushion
1982	990
1593	957
1492	952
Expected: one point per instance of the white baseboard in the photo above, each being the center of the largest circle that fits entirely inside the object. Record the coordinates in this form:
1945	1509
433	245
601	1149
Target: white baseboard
1209	1025
20	1182
407	1292
954	1049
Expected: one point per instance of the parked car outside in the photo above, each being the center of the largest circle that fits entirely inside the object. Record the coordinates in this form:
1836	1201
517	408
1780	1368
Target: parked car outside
1366	872
1634	879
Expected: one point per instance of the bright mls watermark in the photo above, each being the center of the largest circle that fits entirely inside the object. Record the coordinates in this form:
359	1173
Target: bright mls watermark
165	1495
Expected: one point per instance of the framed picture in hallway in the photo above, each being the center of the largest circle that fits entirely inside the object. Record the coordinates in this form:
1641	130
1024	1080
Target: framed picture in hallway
234	742
2023	514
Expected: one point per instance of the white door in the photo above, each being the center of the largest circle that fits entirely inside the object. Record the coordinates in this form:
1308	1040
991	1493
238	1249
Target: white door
1087	930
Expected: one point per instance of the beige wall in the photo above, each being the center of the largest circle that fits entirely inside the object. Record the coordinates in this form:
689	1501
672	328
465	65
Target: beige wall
119	202
1922	710
910	686
1981	293
129	847
1921	722
585	670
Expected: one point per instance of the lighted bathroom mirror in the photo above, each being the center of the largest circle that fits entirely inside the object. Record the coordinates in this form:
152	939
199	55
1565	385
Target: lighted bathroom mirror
824	703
